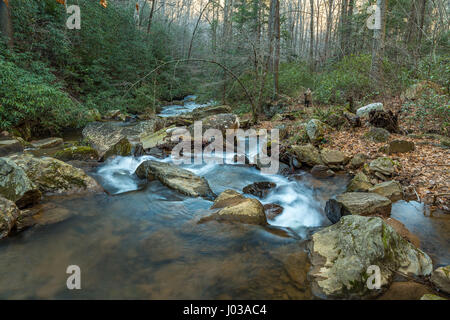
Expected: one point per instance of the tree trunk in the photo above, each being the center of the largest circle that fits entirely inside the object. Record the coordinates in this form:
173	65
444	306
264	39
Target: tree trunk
378	45
277	48
311	35
6	24
151	16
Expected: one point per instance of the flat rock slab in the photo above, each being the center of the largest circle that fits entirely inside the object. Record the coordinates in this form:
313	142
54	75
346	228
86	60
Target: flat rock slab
176	178
10	146
47	143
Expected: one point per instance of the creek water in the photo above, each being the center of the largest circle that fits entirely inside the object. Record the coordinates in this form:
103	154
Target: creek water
143	241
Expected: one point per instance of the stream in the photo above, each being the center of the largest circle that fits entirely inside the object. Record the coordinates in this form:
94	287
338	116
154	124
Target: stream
143	241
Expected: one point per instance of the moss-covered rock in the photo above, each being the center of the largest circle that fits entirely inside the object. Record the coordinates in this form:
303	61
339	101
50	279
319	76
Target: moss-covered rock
307	154
341	254
441	278
378	134
54	176
360	182
389	189
82	153
383	165
16	186
316	130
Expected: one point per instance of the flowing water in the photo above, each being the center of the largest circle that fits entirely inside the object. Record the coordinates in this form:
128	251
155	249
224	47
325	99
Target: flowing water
143	241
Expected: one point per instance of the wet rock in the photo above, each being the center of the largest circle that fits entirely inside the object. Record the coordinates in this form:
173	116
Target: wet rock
204	112
8	215
81	153
307	154
332	157
47	143
316	130
320	171
357	203
112	138
54	176
16	186
364	111
400	146
431	297
383	165
175	178
441	278
341	254
259	189
237	208
359	183
273	210
10	146
158	138
358	160
389	189
378	134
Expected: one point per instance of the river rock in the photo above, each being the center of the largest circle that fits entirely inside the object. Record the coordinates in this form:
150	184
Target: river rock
358	160
54	176
383	165
235	207
16	186
401	229
341	254
176	178
221	122
81	153
112	138
400	146
8	216
10	146
316	130
200	113
360	182
378	134
389	189
259	189
357	203
441	278
273	210
307	154
332	157
364	111
320	171
47	143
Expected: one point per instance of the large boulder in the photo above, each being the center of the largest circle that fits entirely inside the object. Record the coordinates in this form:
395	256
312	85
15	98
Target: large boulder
364	111
10	146
222	122
342	253
332	157
235	207
113	138
357	203
8	216
360	182
176	178
53	176
389	189
307	154
441	278
157	139
316	130
383	165
204	112
16	186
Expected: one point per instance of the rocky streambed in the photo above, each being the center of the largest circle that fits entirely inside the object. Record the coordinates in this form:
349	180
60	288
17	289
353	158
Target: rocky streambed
141	227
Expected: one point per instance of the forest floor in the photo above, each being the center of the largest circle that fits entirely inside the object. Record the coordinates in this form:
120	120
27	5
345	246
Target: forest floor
424	173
